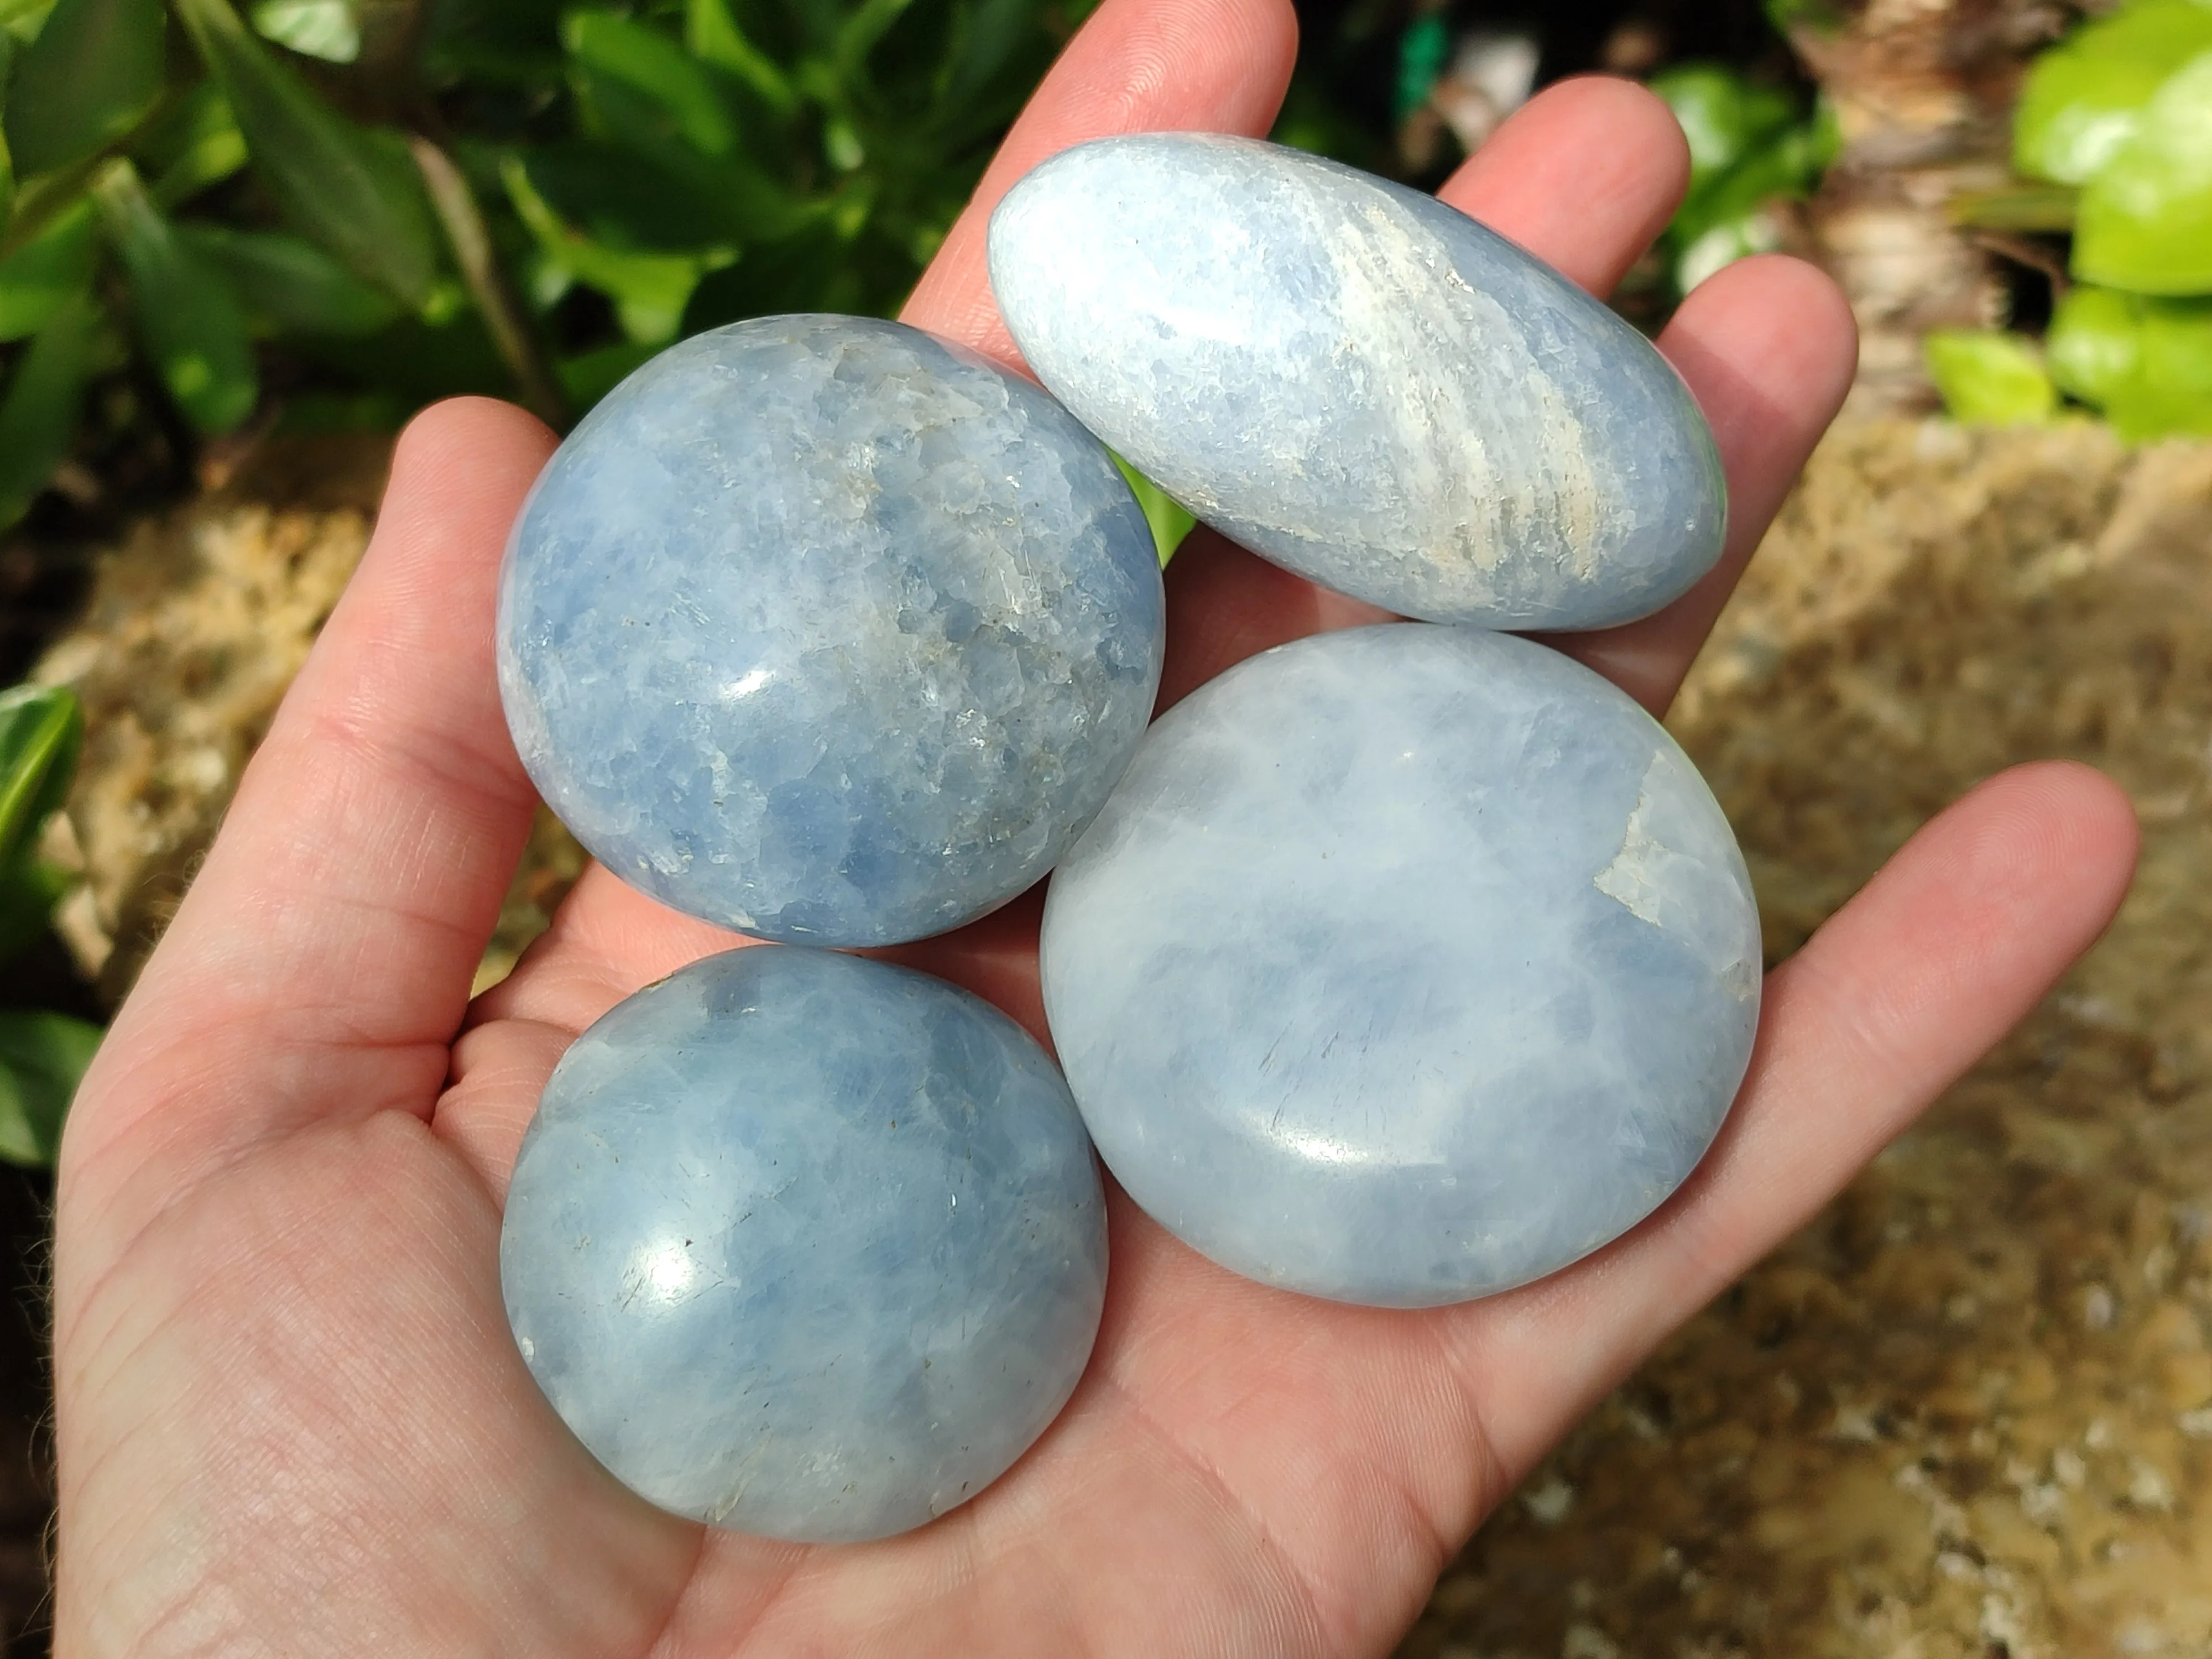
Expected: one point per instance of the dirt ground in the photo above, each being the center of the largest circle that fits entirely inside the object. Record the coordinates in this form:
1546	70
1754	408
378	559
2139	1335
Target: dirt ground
1968	1412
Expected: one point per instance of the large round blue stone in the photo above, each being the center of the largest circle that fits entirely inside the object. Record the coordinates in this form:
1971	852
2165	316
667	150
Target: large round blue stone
804	1245
823	629
1406	964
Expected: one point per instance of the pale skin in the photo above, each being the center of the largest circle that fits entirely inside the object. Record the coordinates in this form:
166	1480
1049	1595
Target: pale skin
291	1419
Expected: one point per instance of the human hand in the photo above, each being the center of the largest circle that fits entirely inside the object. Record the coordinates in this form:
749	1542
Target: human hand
290	1417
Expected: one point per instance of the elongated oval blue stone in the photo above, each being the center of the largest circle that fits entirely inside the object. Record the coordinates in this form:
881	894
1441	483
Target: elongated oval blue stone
804	1245
1359	382
1406	964
823	629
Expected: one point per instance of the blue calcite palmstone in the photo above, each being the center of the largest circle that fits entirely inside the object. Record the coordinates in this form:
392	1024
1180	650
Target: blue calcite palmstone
823	629
1359	382
1406	964
804	1245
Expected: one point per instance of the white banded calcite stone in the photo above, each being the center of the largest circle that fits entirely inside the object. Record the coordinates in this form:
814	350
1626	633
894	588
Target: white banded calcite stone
1406	964
804	1245
823	629
1359	382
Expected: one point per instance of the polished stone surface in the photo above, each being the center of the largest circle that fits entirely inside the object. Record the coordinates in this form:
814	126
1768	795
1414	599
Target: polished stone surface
1359	382
821	629
806	1245
1406	964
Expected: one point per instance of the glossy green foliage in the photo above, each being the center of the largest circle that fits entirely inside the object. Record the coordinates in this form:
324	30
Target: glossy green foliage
41	276
1170	519
87	80
44	396
2084	97
41	732
2121	108
2145	363
1988	378
352	190
42	1055
418	198
288	284
1750	146
189	318
2115	123
328	29
2146	218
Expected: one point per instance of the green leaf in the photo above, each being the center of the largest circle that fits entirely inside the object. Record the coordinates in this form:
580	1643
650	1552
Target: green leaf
29	893
1170	519
90	77
989	35
43	1057
189	319
857	36
355	191
41	734
1814	17
1724	117
409	364
650	290
192	145
2145	362
38	417
2017	207
23	19
2145	218
589	377
46	273
611	48
289	282
328	29
613	197
711	33
1423	50
1721	245
7	158
2173	396
1990	379
2084	98
2095	343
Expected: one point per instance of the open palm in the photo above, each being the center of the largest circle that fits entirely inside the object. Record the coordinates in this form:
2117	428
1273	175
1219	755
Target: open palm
291	1420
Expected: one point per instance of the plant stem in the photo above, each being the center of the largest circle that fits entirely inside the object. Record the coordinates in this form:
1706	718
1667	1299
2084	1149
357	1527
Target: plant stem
455	205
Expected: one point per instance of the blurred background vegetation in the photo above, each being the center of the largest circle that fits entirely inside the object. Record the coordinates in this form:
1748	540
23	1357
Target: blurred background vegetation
2111	147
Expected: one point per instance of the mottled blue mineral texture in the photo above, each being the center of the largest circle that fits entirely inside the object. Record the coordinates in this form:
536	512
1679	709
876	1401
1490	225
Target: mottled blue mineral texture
806	1245
820	629
1406	964
1359	382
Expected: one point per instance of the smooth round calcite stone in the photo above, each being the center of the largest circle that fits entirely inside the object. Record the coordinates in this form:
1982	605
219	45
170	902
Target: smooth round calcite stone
1406	965
823	629
806	1245
1359	382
